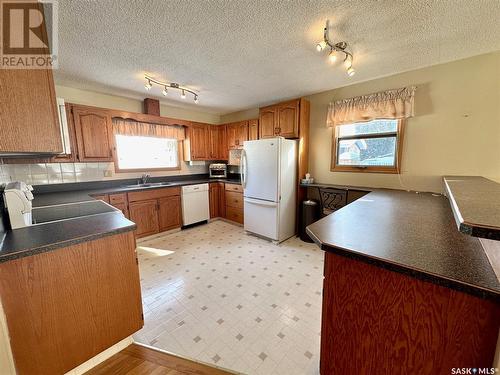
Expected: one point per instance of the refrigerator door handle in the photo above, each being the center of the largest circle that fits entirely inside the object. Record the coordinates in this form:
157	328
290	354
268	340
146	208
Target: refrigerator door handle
243	168
260	202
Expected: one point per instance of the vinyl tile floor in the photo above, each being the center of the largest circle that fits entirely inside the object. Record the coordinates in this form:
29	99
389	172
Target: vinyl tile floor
218	295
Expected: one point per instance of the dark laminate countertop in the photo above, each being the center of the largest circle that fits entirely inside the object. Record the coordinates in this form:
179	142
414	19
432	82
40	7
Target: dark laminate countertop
410	233
59	197
340	187
475	202
50	236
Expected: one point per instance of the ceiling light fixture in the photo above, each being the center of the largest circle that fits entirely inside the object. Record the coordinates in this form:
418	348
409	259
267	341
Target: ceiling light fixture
149	84
334	48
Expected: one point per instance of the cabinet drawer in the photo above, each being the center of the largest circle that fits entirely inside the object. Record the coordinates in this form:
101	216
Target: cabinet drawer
234	214
234	199
153	194
234	187
118	198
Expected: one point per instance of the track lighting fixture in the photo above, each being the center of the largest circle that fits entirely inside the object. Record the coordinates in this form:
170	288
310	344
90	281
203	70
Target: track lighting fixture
340	47
166	85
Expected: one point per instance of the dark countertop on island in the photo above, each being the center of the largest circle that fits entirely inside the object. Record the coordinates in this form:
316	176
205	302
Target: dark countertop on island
412	233
475	202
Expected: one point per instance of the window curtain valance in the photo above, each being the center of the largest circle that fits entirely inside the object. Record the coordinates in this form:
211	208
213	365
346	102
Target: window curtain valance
390	104
144	129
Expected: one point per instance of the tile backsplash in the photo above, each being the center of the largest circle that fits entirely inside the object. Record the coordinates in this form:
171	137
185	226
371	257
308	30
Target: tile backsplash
56	173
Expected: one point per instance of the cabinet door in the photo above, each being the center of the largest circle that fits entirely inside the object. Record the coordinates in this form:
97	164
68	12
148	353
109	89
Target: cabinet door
288	119
214	200
253	130
169	212
93	134
222	200
231	135
199	141
242	133
217	142
145	215
268	122
28	112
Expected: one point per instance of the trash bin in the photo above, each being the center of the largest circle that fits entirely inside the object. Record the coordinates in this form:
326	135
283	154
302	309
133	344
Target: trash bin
310	214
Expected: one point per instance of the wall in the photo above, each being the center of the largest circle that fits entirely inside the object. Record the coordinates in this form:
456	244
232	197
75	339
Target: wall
455	131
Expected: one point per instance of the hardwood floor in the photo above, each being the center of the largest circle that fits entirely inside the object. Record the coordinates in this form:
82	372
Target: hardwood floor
139	360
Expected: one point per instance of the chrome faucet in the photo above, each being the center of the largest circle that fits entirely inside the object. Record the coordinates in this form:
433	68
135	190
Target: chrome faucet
145	177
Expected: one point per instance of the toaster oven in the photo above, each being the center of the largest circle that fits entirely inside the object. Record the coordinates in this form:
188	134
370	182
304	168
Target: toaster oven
217	170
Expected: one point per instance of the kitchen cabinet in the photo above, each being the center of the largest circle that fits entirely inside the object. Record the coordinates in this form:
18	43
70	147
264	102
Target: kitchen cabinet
28	116
93	133
65	306
253	129
169	213
155	210
196	144
280	120
217	142
145	215
237	133
234	202
217	200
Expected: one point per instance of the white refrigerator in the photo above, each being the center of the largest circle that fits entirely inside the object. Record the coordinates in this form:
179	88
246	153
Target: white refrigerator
269	179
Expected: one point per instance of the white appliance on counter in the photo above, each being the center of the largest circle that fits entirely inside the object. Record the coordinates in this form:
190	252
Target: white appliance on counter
17	198
195	204
269	179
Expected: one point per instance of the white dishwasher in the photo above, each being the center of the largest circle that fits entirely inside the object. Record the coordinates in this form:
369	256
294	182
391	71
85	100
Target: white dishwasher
195	204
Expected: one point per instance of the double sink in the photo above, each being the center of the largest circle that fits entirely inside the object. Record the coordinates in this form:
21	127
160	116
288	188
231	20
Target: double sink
149	184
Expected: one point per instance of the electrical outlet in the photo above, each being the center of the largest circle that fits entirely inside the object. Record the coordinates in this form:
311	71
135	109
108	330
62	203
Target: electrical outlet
108	173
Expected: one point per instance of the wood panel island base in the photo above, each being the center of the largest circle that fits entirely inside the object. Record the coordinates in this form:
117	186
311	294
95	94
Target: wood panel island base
404	292
65	306
377	321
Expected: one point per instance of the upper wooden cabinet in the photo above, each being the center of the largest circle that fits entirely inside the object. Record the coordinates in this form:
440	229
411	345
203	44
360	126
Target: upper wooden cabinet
196	142
217	142
237	133
93	133
280	120
28	112
253	129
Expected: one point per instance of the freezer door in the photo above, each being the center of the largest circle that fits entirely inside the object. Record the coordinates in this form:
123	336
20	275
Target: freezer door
260	165
261	217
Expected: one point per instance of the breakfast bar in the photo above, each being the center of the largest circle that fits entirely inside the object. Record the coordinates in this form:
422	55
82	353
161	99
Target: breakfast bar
404	290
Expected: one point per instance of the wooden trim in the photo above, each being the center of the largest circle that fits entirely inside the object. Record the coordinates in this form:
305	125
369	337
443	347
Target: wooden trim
370	169
140	117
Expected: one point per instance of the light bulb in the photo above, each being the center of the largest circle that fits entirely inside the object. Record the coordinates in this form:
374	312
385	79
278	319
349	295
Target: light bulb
332	57
320	46
351	71
165	92
348	62
196	99
148	85
183	94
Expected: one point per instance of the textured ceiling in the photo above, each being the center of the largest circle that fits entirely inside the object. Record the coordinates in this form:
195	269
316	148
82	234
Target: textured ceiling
240	54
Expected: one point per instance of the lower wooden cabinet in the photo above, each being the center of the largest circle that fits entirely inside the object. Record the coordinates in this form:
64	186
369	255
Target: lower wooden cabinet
169	213
217	205
234	202
145	215
65	306
155	210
